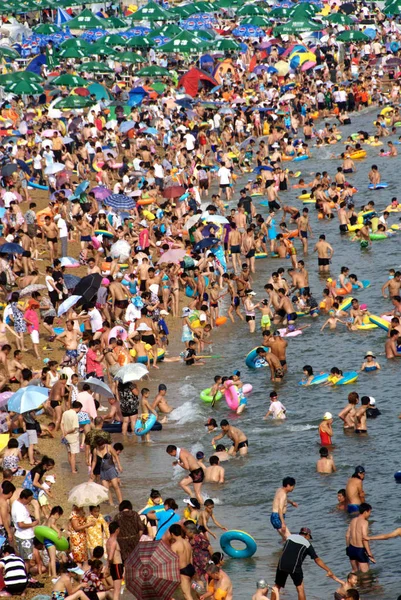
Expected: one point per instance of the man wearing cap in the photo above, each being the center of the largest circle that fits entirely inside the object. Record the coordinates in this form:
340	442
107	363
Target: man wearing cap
354	490
261	591
296	549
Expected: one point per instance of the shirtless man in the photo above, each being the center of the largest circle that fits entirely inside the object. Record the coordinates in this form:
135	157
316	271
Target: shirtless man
4	361
120	298
160	403
139	347
196	474
393	285
347	415
183	549
324	253
116	566
222	586
143	270
214	473
354	490
325	464
70	340
86	232
278	346
15	367
361	417
374	176
390	345
358	549
7	490
114	414
238	438
234	244
343	217
298	280
304	228
51	232
279	507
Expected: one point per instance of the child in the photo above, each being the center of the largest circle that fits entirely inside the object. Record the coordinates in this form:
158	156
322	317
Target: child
43	495
349	583
144	409
262	589
308	372
207	514
190	357
116	566
12	456
216	387
55	513
98	533
369	364
332	321
192	510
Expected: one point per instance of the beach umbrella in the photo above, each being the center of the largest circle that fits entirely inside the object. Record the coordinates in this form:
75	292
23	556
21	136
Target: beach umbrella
119	333
256	21
185	43
217	219
68	261
131	372
175	255
152	12
34	287
67	304
71	281
279	12
54	168
4	398
100	48
339	19
352	36
72	53
129	57
11	248
283	68
6	52
46	28
69	80
113	39
169	30
115	23
85	20
98	386
88	287
226	45
95	67
75	43
205	243
9	169
250	10
101	192
152	571
28	88
296	27
173	191
153	71
120	202
27	399
74	102
88	494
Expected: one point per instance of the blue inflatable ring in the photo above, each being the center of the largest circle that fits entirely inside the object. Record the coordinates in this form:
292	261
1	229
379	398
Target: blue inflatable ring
397	476
240	536
145	428
251	357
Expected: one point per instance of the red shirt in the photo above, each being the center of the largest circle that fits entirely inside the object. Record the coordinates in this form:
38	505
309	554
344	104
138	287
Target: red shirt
92	366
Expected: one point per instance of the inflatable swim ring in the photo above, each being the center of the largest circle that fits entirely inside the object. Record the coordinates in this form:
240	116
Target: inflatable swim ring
220	321
365	283
238	536
299	158
379	186
206	397
104	233
33	184
251	359
380	322
144	359
142	428
117	427
261	255
42	532
145	201
321	378
348	377
359	154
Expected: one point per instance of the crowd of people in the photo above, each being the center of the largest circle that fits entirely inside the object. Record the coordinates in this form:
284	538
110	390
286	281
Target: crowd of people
119	219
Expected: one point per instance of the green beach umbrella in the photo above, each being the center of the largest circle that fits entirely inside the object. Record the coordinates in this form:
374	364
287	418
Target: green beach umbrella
153	71
339	19
20	76
114	40
69	80
115	23
228	4
75	43
85	20
278	13
352	36
74	102
185	43
294	27
140	42
95	67
159	87
152	12
226	45
251	10
71	53
8	52
128	57
28	88
99	48
169	30
256	21
46	28
303	11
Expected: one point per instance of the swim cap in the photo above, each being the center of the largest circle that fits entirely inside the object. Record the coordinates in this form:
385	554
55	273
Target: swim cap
261	584
327	416
363	306
359	469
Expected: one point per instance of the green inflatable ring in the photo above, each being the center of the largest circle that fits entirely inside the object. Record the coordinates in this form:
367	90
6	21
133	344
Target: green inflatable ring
42	532
206	397
377	236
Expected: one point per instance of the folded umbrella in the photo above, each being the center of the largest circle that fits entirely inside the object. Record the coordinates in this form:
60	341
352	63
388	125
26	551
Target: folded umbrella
28	398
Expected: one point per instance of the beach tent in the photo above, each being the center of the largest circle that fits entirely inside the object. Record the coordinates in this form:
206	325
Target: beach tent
222	68
62	17
194	79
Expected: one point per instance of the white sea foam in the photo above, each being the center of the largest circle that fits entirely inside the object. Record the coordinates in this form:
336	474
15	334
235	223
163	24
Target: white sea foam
186	413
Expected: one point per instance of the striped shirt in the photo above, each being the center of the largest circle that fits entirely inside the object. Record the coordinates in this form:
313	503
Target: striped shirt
14	571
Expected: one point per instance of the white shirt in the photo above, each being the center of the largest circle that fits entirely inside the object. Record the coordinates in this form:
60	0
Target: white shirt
95	320
62	227
159	171
224	175
277	409
20	514
9	197
189	141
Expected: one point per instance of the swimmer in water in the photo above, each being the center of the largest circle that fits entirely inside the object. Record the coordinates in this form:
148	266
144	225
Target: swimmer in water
326	429
279	507
342	500
370	364
161	404
325	464
354	490
332	321
349	584
357	544
262	589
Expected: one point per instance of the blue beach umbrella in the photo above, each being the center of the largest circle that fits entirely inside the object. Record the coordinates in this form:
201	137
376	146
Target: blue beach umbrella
120	202
28	398
11	248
